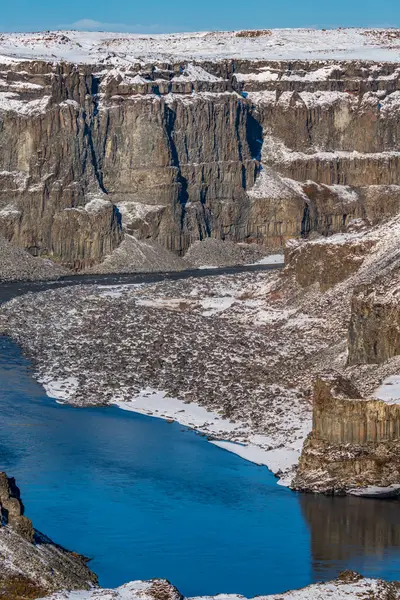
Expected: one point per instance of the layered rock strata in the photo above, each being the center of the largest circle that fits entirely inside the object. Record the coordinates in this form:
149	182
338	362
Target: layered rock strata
354	443
324	263
246	150
374	330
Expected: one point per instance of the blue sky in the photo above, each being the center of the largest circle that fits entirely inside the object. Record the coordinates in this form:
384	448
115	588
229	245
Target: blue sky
151	16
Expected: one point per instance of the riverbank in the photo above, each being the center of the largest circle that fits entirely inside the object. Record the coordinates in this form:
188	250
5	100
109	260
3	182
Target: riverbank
175	504
244	347
199	342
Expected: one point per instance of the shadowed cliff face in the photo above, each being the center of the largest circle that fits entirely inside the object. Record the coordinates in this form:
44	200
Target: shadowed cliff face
240	150
374	334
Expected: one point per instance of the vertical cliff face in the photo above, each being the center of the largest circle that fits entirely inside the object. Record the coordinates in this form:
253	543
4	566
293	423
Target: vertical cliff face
31	564
49	178
354	443
178	150
374	329
179	165
12	509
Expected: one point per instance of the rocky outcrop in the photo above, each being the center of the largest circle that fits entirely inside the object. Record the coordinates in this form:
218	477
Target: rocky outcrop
31	564
12	509
354	443
244	150
374	330
347	586
325	263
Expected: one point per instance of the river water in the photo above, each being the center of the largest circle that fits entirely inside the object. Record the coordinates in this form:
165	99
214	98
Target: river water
144	498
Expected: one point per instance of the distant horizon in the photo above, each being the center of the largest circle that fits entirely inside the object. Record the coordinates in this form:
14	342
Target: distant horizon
177	16
209	30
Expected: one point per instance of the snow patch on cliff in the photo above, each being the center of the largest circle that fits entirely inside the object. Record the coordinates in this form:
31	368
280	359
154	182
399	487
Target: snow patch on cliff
12	102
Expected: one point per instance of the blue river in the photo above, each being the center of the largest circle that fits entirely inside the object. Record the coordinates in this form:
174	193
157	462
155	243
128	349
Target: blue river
144	498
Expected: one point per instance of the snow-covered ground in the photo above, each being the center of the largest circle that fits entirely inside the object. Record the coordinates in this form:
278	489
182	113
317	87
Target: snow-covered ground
194	351
274	44
351	588
50	566
233	356
389	390
271	259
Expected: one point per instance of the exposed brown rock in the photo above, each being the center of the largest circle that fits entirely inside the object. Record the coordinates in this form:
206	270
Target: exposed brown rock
324	263
374	330
354	443
180	148
12	509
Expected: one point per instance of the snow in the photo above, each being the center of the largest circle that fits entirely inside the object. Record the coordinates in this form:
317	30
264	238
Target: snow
276	460
96	205
271	259
269	184
213	305
332	590
129	591
325	99
258	449
322	74
253	448
265	75
277	152
116	291
389	390
374	491
11	101
60	389
276	44
208	267
158	404
196	73
132	211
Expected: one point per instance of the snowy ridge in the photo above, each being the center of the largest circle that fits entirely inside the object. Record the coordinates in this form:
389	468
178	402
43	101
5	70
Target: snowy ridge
275	44
356	587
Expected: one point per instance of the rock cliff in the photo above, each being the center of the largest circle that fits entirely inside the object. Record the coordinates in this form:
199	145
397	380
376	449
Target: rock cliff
12	509
354	443
31	564
178	149
374	330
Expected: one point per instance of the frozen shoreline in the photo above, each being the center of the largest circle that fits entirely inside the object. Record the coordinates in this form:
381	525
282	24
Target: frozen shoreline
231	436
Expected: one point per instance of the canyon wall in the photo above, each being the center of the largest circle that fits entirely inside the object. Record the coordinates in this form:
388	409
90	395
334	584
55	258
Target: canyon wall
354	443
245	150
374	329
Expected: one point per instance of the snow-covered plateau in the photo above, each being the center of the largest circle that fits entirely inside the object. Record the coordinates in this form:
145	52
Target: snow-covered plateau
274	44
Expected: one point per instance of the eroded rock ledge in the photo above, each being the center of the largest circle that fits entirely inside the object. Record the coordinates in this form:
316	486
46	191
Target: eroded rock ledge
12	509
354	443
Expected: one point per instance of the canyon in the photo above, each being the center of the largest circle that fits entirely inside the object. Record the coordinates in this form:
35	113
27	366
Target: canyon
104	137
123	153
